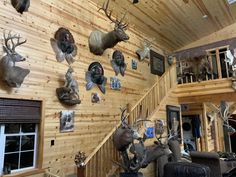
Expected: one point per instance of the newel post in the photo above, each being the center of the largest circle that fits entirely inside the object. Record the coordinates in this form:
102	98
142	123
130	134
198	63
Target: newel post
81	171
80	164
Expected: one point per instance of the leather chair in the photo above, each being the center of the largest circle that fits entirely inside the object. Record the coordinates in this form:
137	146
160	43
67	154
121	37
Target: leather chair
218	167
185	169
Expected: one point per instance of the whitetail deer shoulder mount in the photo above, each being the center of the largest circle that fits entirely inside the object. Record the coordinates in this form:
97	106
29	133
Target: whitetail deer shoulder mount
69	93
145	51
118	62
100	41
21	5
11	74
64	46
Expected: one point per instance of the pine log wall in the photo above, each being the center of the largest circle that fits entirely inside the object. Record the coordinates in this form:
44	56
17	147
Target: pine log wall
92	121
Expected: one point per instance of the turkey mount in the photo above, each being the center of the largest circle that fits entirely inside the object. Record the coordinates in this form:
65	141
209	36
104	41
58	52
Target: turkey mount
64	46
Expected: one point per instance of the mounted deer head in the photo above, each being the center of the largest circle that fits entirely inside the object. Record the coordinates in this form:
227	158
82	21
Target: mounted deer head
145	51
13	75
99	41
21	5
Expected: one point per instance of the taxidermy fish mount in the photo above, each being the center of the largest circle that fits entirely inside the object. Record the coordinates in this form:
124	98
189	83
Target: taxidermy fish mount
64	46
11	74
69	93
118	62
100	41
21	5
95	75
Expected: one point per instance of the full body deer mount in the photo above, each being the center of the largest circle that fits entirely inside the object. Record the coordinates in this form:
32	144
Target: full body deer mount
21	5
64	46
69	93
11	74
100	41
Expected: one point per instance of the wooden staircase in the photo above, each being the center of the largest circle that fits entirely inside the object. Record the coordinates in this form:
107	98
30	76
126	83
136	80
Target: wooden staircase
99	162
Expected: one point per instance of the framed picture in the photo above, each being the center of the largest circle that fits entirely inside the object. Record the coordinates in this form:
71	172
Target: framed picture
67	121
157	63
173	122
134	64
159	127
115	83
149	129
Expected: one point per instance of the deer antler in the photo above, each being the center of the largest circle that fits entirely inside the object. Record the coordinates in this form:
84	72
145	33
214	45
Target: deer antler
11	38
117	22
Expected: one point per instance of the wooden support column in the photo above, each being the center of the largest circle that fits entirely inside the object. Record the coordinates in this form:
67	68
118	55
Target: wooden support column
218	63
205	126
216	136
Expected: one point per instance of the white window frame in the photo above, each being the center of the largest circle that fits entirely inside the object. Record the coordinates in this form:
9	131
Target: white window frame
3	142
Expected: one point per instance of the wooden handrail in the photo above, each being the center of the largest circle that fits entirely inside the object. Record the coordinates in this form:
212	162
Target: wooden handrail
154	85
148	103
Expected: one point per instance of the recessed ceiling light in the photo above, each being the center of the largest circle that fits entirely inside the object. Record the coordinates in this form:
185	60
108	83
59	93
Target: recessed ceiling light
205	16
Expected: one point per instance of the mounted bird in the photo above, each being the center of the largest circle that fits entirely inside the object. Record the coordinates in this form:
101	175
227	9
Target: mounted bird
64	46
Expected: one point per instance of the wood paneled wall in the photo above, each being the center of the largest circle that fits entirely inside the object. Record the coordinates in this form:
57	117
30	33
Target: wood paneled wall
92	121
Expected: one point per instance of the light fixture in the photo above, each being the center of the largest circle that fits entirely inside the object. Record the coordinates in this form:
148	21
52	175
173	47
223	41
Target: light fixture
205	16
135	1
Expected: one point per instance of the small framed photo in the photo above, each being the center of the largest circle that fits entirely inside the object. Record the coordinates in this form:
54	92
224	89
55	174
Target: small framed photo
67	121
149	129
115	83
157	63
134	64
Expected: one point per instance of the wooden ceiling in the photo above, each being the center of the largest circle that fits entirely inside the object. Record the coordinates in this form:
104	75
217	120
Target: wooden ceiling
176	23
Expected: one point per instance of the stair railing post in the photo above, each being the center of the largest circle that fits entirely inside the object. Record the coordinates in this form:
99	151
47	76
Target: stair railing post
81	171
130	119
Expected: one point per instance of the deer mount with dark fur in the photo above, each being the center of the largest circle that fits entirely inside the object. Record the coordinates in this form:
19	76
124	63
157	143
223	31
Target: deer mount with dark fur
64	46
118	62
69	93
21	5
100	41
13	75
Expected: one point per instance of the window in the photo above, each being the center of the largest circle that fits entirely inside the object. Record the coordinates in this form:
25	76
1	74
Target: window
19	147
19	124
